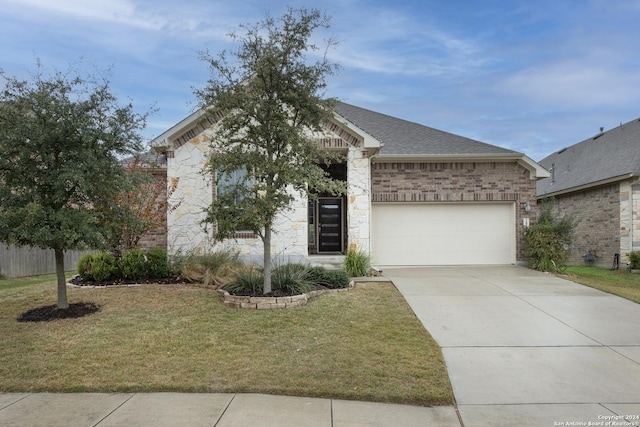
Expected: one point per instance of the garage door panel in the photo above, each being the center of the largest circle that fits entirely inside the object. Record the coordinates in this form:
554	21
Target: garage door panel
443	234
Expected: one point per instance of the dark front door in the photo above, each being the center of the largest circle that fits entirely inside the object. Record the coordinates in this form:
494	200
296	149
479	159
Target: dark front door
330	225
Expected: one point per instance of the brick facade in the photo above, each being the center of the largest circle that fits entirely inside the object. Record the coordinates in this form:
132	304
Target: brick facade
458	182
598	230
157	237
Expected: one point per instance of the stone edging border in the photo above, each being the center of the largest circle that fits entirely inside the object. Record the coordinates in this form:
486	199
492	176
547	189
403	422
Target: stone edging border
274	303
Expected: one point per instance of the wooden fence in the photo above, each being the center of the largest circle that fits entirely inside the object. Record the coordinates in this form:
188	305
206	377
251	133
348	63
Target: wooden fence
26	261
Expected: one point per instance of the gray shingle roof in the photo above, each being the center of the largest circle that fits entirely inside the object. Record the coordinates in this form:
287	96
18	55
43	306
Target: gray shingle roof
609	155
401	137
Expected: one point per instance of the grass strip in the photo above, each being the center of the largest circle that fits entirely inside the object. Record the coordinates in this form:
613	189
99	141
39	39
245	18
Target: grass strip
617	282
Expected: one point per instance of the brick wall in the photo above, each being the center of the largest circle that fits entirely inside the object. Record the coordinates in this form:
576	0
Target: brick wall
458	182
598	214
157	237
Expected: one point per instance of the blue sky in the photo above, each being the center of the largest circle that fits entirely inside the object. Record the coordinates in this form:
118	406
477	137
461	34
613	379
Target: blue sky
531	76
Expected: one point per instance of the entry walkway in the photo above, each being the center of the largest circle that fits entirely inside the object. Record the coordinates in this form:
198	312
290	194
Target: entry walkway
526	348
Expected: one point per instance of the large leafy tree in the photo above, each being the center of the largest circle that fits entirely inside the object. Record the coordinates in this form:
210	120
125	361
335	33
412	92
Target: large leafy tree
61	135
268	99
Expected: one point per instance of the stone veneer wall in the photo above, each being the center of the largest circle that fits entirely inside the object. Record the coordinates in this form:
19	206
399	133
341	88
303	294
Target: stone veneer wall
599	227
358	200
458	182
629	219
191	192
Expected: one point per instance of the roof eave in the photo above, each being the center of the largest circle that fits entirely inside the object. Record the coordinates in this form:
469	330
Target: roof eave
368	140
164	139
594	184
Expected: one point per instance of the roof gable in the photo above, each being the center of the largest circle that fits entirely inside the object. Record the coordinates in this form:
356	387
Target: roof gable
606	157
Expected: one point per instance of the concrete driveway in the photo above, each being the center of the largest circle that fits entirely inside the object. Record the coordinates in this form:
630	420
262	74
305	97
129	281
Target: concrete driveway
527	348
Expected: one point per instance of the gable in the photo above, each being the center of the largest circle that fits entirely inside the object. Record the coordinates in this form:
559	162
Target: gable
197	128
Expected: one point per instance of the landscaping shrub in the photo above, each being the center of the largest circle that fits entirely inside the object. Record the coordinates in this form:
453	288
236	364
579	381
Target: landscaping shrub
217	268
157	264
291	279
357	263
337	279
333	279
132	264
99	266
548	242
84	267
634	260
248	279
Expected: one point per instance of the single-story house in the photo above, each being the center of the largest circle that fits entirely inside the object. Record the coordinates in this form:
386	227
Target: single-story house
416	196
597	182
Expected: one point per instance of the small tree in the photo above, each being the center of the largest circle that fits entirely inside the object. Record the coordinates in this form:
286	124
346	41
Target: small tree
134	210
267	101
60	138
548	242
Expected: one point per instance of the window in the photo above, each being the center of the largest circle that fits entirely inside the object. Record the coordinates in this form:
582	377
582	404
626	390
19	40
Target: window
229	183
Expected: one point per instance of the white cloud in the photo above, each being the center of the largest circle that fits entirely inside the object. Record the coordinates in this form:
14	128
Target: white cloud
114	11
392	41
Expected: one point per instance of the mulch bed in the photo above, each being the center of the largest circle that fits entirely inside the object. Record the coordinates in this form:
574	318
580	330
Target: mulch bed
52	312
169	280
76	310
277	293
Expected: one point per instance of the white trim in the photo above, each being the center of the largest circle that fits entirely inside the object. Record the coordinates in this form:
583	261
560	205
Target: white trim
368	140
164	139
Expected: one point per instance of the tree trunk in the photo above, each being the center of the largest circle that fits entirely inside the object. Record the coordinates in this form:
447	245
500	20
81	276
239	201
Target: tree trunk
267	259
62	282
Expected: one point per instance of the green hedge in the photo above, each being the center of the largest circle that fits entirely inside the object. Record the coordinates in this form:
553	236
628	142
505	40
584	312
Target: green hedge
134	265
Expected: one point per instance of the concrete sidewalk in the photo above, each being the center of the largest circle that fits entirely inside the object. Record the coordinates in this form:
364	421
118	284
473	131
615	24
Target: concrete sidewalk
219	410
527	348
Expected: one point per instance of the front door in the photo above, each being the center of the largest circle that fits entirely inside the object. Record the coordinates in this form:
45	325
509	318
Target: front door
330	225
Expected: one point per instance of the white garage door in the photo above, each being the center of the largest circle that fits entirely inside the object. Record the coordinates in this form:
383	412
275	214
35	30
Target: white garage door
443	234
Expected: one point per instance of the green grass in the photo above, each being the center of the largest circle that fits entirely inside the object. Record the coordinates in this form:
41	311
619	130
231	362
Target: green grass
618	282
364	344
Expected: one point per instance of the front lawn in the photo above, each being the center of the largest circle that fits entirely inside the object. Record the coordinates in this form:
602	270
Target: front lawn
364	344
618	282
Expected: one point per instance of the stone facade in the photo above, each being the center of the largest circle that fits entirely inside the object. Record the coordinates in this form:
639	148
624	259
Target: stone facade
458	182
358	200
598	230
191	191
629	219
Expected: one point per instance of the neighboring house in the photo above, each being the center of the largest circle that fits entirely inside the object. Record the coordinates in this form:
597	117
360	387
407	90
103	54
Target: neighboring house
416	196
597	183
